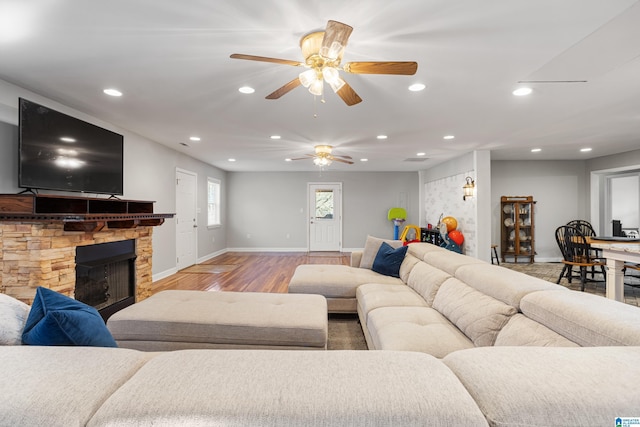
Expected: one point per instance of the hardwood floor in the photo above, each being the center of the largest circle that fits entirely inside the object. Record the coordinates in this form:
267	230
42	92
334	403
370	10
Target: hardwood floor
247	271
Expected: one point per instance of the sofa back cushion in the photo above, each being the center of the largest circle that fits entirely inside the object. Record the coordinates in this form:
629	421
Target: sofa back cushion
407	265
426	279
371	247
505	285
522	331
587	319
479	316
449	261
420	250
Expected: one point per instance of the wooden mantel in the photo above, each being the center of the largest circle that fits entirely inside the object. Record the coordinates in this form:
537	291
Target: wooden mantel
80	213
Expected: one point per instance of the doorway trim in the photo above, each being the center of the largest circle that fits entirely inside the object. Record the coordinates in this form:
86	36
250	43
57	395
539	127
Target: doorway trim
338	187
194	211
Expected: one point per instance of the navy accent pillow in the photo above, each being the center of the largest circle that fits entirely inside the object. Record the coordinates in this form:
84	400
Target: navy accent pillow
56	319
388	260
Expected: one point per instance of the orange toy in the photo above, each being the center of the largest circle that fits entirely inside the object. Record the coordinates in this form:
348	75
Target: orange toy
451	222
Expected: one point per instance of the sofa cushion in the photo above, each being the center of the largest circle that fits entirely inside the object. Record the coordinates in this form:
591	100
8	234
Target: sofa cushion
13	316
388	260
334	281
279	388
506	285
61	386
449	261
522	331
371	247
177	319
56	319
587	319
550	386
407	265
479	316
373	295
420	250
420	329
426	279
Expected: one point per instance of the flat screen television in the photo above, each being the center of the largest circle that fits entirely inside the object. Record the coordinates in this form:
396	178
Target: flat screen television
60	152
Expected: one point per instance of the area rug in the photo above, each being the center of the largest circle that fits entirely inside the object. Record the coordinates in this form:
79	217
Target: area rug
209	269
345	333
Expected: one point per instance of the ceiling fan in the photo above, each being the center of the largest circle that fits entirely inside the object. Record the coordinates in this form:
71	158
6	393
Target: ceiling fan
323	157
322	52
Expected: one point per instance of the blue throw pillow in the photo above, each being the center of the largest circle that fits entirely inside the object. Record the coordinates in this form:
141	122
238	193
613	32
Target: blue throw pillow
56	319
388	260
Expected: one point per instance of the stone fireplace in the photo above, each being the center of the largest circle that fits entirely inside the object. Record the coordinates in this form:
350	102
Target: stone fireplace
44	254
40	235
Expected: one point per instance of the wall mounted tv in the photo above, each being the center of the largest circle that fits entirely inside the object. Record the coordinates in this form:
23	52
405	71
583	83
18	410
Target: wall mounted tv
60	152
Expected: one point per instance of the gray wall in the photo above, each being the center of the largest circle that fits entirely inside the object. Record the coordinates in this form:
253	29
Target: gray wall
149	172
269	205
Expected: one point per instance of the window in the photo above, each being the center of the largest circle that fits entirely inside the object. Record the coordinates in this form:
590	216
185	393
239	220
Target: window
213	202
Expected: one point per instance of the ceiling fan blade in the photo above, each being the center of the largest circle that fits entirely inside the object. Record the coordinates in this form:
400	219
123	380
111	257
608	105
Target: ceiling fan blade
348	95
266	59
344	157
407	68
302	158
335	32
284	89
349	162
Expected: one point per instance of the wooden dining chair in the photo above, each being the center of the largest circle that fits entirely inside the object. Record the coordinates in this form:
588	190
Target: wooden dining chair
580	254
562	244
587	229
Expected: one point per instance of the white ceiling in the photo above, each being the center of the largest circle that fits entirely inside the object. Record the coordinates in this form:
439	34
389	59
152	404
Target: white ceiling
171	60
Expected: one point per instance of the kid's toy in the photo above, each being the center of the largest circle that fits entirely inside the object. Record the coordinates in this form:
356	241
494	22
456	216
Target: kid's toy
398	216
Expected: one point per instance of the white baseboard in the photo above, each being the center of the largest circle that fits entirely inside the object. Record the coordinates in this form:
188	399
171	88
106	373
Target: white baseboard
267	250
164	274
212	255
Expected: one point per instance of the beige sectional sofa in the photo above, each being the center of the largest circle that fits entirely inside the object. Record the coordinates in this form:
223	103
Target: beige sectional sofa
465	344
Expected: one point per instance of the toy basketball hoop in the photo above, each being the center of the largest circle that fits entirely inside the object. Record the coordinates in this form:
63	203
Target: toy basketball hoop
398	216
398	221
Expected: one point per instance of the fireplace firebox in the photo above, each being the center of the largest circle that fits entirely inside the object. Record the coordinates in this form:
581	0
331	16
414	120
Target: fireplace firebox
105	276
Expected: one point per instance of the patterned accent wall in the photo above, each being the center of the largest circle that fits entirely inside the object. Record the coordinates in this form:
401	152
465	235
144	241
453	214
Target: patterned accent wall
444	196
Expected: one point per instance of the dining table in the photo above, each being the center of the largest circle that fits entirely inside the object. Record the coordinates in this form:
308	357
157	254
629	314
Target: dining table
617	252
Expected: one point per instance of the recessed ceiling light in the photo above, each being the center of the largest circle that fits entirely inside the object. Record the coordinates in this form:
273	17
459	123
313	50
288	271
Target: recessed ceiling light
232	160
287	160
417	87
67	139
584	150
448	137
246	89
523	91
112	92
536	150
421	154
364	160
275	137
381	137
194	138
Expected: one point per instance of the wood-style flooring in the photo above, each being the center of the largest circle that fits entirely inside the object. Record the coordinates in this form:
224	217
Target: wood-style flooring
247	271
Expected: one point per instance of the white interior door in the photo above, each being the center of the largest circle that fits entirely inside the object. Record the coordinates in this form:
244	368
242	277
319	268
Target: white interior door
186	218
325	216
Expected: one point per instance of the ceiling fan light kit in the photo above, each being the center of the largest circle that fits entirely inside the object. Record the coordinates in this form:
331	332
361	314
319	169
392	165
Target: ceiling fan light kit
322	52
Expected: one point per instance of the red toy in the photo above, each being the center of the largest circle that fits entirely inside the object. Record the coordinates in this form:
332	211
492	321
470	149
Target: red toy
457	237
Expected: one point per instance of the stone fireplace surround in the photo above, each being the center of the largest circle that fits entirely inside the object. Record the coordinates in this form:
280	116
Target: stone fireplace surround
36	254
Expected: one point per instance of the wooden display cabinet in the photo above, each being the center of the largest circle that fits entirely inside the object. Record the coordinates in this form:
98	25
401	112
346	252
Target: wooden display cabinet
517	228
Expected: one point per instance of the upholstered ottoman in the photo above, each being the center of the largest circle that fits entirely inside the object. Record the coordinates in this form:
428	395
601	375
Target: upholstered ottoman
174	320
